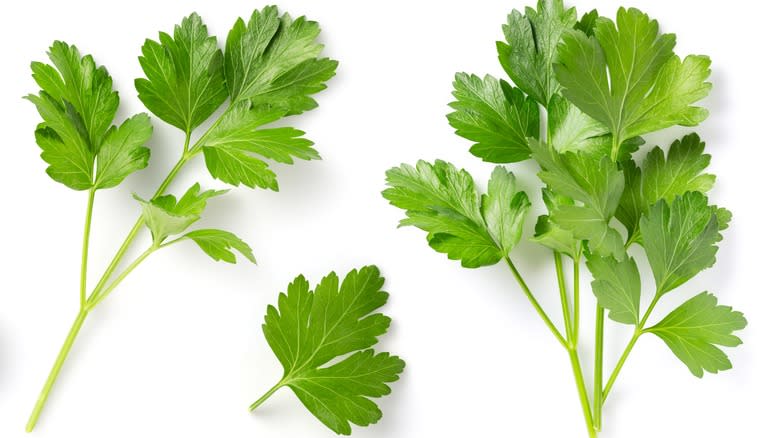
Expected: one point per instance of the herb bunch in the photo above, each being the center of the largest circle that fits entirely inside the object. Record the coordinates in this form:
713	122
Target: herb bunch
583	94
269	69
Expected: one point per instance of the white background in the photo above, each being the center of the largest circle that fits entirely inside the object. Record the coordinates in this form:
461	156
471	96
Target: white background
177	349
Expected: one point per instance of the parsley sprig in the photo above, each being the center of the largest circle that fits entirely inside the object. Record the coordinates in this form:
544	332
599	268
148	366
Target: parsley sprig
269	69
583	93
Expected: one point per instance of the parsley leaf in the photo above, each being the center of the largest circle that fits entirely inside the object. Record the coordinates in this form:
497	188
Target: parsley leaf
309	330
218	244
627	77
77	104
497	116
679	239
693	331
598	185
165	216
184	82
617	287
271	70
664	178
531	47
443	201
122	152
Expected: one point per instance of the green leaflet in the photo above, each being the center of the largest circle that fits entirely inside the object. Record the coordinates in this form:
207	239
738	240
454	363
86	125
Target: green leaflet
218	244
531	47
184	81
695	329
165	216
663	178
549	234
269	47
679	239
443	201
617	287
308	330
495	115
627	77
271	70
598	185
78	105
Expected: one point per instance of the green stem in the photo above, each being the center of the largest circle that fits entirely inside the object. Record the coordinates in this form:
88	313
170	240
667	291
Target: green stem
637	333
576	275
135	229
94	300
535	303
267	395
564	296
598	369
55	370
582	391
85	247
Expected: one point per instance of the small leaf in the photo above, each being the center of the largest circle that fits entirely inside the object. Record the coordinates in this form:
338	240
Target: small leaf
123	152
695	329
218	245
680	239
165	216
617	287
504	209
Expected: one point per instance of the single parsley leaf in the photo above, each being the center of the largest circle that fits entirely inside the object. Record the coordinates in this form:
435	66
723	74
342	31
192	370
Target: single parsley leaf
531	47
495	115
184	81
261	51
627	77
617	287
682	170
271	70
230	148
78	105
679	239
571	130
443	201
122	152
308	330
218	244
695	329
504	208
165	216
586	223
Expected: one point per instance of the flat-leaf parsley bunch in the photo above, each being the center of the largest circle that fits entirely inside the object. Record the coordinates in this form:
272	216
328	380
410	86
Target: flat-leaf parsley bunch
583	93
269	70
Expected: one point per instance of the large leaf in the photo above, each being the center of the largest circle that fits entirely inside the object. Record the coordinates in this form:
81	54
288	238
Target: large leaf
531	47
627	77
77	105
184	81
443	201
695	329
495	115
308	331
